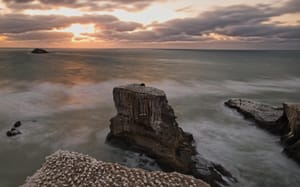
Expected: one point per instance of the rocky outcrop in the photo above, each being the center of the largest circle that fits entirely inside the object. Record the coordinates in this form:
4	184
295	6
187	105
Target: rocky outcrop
292	139
146	122
65	168
266	116
284	121
39	51
14	131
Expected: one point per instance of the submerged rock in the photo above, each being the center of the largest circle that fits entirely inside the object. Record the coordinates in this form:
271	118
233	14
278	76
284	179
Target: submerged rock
266	116
145	122
284	121
39	51
65	168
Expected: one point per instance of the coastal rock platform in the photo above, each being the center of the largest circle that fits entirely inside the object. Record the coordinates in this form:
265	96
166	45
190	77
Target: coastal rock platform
64	168
283	121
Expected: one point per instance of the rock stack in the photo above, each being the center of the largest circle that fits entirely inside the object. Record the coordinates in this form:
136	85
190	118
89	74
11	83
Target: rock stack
283	121
145	122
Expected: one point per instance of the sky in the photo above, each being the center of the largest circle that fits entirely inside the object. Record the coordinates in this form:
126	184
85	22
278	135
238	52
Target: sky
200	24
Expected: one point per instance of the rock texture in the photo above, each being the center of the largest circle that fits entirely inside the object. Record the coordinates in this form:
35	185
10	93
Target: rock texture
292	139
65	168
265	116
39	51
146	122
284	121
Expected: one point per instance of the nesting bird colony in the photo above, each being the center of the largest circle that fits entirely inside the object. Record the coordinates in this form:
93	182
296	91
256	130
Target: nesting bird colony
64	168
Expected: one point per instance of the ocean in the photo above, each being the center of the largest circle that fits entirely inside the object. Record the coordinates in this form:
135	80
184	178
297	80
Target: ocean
64	100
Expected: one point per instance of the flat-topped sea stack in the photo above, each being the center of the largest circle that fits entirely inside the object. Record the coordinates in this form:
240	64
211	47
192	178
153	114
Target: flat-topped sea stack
39	51
283	121
65	168
145	122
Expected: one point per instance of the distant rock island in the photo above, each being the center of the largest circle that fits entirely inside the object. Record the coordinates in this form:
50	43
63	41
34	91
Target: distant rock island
283	121
39	51
65	168
145	122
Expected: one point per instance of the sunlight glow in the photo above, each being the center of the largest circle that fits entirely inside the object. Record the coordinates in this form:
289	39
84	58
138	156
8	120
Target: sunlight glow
155	13
2	38
219	37
80	32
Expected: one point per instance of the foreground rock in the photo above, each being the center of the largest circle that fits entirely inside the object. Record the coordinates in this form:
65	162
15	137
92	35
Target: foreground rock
265	116
284	121
145	122
65	168
39	51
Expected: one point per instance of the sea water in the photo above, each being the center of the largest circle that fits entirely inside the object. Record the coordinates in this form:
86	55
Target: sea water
64	100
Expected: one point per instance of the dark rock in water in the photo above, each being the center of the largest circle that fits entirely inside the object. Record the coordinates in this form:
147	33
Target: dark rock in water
145	122
142	84
266	116
13	132
17	124
284	121
39	51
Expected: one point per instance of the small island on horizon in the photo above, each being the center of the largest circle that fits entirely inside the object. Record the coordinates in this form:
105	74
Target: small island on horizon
39	51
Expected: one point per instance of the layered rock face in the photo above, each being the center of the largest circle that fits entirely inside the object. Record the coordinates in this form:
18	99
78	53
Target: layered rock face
65	168
292	139
146	122
284	121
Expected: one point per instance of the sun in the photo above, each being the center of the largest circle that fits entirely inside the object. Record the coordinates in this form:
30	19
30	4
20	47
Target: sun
80	31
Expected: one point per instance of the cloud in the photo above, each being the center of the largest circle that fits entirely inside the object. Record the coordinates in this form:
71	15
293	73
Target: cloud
244	23
95	5
292	6
19	23
237	24
39	35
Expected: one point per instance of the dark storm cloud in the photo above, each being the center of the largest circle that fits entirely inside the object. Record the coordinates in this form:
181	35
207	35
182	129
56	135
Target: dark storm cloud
95	5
